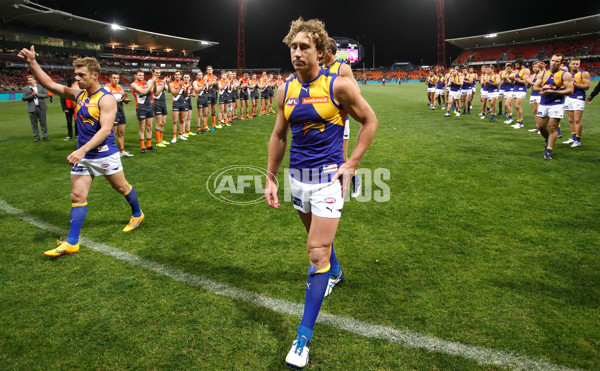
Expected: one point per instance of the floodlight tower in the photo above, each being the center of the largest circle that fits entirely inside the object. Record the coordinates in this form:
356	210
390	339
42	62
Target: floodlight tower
241	62
441	33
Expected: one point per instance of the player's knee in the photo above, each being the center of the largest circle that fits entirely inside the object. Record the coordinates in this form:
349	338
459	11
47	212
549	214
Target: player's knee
77	197
122	188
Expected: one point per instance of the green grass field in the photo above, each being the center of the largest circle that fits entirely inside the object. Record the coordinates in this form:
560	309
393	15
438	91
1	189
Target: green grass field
485	257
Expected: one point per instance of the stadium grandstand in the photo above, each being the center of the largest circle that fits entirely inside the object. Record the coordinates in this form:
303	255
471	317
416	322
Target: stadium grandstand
59	37
575	37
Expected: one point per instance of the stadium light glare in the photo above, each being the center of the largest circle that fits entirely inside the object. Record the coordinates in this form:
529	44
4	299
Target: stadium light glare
116	27
491	35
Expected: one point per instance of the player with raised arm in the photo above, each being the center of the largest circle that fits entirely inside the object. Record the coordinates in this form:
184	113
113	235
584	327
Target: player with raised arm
313	106
96	152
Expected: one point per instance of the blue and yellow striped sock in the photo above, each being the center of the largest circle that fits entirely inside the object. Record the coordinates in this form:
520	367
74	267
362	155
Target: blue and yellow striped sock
131	197
548	150
316	284
574	136
78	212
577	138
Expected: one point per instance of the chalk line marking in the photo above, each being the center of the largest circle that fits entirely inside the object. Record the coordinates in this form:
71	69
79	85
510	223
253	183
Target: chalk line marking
405	337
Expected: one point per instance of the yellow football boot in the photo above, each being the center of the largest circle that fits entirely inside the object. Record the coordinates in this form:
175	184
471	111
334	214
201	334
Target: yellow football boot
134	222
63	248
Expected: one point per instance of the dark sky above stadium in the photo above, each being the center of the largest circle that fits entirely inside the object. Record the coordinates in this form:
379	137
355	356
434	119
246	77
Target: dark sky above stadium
399	30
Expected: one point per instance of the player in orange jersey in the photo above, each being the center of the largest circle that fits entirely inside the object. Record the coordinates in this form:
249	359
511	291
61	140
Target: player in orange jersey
231	89
254	95
212	87
143	106
120	121
202	103
178	91
236	94
187	116
223	99
263	86
160	106
244	95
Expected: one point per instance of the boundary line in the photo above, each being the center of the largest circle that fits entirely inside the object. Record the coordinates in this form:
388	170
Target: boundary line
404	337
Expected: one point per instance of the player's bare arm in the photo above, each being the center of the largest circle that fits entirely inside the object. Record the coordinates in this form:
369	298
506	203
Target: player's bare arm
346	72
277	146
585	77
348	97
28	55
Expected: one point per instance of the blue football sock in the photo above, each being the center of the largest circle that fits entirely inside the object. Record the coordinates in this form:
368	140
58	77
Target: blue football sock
315	291
78	212
335	265
132	198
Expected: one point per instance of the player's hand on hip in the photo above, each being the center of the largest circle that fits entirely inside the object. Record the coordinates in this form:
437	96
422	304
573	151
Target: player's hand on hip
345	174
271	194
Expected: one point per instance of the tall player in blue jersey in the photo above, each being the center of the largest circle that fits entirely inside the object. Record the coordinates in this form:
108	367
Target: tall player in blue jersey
314	104
96	152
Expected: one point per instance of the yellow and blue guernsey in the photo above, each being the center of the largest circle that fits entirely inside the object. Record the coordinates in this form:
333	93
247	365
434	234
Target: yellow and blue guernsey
520	84
87	114
555	80
317	125
578	93
441	83
335	67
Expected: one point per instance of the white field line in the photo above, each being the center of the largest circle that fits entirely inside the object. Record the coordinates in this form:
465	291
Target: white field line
405	337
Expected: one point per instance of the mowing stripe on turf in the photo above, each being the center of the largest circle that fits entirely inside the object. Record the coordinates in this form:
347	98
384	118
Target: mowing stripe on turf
407	338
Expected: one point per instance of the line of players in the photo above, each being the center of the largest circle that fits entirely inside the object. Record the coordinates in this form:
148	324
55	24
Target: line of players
248	95
554	91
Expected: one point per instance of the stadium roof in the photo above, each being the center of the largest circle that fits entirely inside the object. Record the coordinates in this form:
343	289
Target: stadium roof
574	27
31	15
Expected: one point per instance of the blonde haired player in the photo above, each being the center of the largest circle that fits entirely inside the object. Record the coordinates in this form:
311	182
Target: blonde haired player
96	152
312	105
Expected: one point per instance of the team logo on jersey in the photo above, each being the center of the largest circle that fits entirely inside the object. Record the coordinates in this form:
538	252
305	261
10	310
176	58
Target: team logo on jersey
313	125
91	105
291	102
313	100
